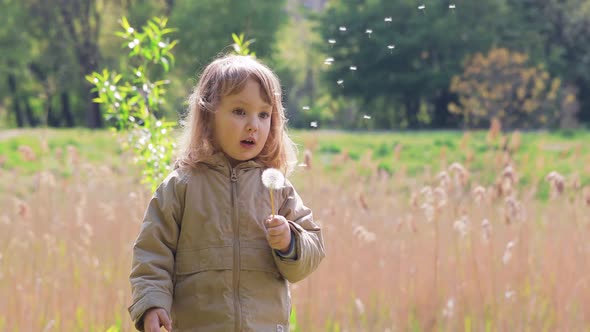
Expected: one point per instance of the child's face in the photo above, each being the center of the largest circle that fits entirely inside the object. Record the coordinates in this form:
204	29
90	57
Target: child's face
242	123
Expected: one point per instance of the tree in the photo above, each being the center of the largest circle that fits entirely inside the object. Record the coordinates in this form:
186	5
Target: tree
560	31
502	85
14	37
398	60
133	97
204	27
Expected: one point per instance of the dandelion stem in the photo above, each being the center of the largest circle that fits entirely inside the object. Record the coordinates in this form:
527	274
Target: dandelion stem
272	203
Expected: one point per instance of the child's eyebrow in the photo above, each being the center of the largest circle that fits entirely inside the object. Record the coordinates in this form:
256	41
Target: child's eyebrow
245	103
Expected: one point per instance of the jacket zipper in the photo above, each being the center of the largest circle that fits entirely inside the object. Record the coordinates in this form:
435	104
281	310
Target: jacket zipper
236	269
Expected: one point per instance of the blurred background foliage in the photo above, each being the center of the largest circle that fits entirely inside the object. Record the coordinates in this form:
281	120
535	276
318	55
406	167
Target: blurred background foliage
345	64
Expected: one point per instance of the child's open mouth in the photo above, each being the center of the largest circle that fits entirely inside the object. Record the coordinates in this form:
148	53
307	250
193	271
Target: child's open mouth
247	143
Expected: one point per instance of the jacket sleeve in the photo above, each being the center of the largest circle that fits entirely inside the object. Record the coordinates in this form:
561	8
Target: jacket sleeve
155	248
309	244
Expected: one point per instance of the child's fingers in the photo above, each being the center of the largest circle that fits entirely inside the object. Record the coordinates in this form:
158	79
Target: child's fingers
151	323
165	320
276	221
277	230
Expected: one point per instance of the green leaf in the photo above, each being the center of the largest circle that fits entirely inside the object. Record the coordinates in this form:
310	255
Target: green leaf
237	40
154	28
171	58
168	30
165	64
125	23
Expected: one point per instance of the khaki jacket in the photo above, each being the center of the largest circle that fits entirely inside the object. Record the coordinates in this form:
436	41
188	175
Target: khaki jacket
202	253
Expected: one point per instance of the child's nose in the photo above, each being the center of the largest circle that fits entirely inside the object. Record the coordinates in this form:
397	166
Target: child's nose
252	125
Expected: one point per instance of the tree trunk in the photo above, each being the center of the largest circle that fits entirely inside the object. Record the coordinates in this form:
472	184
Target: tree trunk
442	118
53	119
82	22
411	106
93	116
584	98
169	7
65	108
16	100
29	112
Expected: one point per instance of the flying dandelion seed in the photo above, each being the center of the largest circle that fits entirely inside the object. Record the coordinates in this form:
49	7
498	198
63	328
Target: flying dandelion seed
421	7
342	28
332	41
313	124
353	68
390	47
452	6
340	82
367	117
305	108
130	30
387	19
369	32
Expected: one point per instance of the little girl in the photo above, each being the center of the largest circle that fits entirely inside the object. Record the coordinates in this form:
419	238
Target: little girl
210	255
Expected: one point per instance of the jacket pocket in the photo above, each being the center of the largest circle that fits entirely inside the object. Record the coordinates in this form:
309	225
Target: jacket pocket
199	260
258	259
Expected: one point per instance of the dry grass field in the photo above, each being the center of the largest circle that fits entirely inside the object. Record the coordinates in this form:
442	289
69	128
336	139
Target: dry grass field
449	236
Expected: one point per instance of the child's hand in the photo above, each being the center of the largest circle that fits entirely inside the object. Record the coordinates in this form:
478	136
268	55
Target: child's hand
154	318
278	233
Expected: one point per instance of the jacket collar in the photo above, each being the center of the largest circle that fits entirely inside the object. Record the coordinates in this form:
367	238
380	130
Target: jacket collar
219	161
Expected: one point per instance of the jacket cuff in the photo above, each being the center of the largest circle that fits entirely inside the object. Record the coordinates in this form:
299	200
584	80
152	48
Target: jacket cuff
291	253
150	300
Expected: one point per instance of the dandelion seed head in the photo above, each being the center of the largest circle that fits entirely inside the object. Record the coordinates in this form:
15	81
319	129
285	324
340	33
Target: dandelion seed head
441	197
448	310
360	307
460	226
509	294
273	179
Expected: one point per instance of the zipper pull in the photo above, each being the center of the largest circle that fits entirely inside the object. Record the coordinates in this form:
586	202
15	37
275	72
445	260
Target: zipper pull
234	176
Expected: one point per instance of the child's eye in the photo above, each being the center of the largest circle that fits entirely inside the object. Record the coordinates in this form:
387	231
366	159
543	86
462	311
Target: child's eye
264	115
239	111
